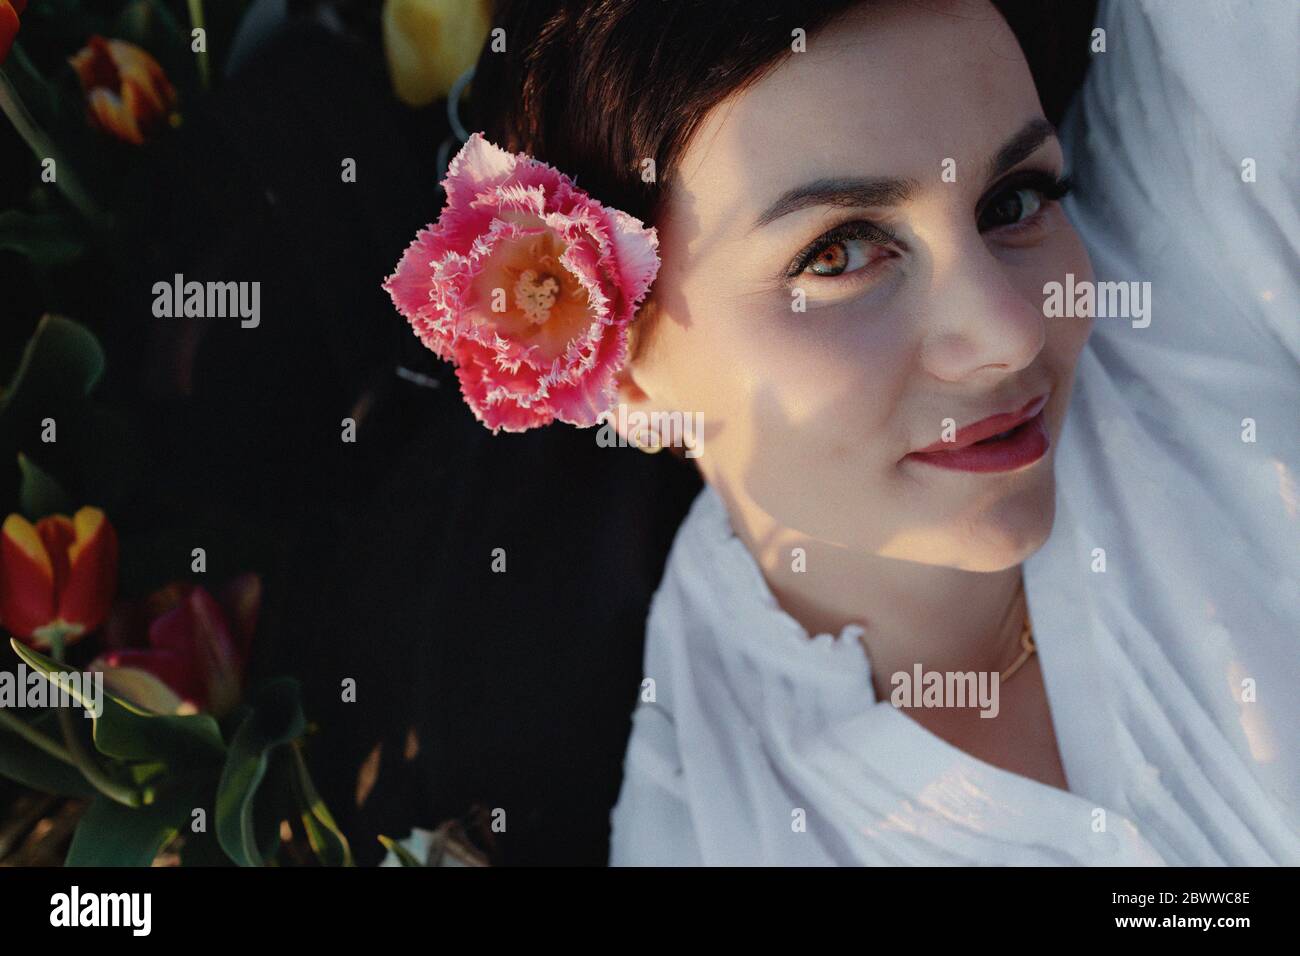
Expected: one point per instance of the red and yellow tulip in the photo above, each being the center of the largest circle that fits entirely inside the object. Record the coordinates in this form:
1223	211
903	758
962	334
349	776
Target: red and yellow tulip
127	92
10	11
57	576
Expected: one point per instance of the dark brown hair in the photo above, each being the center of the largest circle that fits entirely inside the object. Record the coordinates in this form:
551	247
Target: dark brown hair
595	87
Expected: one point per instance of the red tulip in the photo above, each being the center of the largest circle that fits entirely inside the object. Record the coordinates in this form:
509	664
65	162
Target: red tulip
57	576
10	10
128	93
181	650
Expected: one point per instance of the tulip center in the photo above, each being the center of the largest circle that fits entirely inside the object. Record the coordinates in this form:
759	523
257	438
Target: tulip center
535	295
530	296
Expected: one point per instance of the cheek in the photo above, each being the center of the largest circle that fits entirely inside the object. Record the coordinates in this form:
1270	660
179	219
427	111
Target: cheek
825	389
1065	340
754	358
1066	336
1059	253
790	400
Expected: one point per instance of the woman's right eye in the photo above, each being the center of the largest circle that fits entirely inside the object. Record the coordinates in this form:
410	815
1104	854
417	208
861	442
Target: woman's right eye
846	255
843	250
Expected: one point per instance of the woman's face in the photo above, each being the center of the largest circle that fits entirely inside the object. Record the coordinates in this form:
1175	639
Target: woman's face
924	304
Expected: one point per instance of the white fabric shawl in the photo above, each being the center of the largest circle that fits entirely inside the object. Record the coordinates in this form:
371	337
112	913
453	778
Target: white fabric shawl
1174	675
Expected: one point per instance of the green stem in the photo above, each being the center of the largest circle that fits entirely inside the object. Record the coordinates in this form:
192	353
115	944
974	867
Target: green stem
83	759
65	178
196	22
90	769
35	737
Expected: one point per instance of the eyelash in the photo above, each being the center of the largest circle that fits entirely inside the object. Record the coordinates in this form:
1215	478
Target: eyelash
1049	187
844	232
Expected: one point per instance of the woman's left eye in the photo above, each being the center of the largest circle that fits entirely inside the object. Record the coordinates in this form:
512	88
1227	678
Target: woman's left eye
1011	207
1022	199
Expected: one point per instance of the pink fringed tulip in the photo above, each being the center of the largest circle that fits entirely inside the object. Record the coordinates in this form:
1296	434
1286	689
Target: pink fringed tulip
528	285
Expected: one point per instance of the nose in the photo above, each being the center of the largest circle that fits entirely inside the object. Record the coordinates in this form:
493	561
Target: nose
979	322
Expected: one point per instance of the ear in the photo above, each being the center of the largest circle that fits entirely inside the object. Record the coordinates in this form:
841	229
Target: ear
632	419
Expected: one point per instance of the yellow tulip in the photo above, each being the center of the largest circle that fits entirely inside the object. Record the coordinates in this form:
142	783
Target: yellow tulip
429	43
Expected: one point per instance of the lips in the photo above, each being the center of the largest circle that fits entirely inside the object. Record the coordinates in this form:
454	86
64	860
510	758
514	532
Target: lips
1002	442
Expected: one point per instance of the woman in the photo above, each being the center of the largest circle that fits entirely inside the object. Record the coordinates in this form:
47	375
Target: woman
963	584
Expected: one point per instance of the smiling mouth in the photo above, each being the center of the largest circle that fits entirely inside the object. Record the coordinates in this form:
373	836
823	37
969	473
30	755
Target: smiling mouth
999	436
1021	440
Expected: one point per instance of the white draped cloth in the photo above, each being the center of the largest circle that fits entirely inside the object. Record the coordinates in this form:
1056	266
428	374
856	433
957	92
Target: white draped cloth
1173	676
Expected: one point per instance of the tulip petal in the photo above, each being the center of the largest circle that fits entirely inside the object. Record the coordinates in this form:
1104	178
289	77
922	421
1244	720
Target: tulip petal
477	167
411	284
241	599
26	578
113	116
166	598
215	651
145	690
127	91
91	584
429	43
492	405
8	27
57	534
197	631
173	670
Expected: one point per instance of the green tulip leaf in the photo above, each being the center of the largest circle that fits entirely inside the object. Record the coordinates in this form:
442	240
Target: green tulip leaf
142	690
111	834
39	493
326	839
404	856
28	764
149	24
62	358
145	773
275	719
48	239
125	732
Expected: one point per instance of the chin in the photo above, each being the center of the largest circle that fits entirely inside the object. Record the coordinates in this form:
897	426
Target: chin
990	537
1005	535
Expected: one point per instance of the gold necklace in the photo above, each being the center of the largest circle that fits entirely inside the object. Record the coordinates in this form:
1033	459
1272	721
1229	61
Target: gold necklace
1027	648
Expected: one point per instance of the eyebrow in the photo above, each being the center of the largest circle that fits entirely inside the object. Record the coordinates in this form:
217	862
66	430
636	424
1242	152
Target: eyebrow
878	192
1019	147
